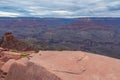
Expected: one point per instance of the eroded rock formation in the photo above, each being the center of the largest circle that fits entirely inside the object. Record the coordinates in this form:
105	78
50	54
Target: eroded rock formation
10	42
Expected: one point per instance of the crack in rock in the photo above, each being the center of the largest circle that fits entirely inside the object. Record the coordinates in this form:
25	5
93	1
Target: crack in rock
81	58
75	73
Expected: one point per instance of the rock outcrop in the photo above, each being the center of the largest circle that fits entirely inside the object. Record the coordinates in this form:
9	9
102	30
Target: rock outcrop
30	71
5	55
6	59
64	65
10	42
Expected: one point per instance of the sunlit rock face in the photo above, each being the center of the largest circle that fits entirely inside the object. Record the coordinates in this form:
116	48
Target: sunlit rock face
64	65
27	70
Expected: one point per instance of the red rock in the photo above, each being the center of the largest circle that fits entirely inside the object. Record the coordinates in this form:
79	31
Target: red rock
26	70
6	55
65	65
7	65
2	79
10	42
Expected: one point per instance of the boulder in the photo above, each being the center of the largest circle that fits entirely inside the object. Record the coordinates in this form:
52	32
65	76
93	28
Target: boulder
6	55
5	68
26	70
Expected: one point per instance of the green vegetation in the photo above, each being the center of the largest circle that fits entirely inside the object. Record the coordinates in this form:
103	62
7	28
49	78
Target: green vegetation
24	55
13	50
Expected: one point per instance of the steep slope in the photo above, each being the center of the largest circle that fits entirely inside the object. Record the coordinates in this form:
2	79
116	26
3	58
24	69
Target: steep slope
65	65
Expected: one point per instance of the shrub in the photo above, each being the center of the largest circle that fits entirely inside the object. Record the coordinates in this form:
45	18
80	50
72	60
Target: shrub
14	50
24	55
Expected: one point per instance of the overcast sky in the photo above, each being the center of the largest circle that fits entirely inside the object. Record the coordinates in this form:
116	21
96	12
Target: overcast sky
60	8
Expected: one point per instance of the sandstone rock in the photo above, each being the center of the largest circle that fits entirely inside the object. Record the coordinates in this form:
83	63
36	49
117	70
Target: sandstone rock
5	68
2	79
6	55
26	70
10	42
3	49
65	65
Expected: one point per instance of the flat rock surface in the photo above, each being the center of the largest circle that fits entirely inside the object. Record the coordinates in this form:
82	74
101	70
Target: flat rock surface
77	65
71	65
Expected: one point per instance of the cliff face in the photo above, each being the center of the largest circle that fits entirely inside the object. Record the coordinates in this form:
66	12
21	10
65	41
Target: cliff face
10	42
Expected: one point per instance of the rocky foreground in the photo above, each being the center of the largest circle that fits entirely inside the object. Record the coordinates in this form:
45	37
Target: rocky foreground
60	65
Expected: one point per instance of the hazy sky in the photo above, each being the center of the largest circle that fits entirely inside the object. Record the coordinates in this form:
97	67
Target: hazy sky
60	8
